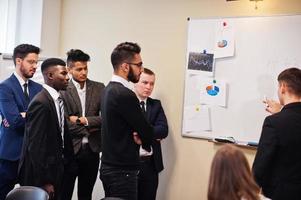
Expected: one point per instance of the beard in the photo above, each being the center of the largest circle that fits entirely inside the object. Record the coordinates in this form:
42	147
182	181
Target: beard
131	76
25	73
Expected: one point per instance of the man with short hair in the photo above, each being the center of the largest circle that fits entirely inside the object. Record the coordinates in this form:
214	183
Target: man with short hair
277	162
151	163
47	148
15	94
82	102
123	125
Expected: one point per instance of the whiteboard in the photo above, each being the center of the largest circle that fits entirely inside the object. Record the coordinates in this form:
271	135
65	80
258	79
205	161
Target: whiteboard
262	48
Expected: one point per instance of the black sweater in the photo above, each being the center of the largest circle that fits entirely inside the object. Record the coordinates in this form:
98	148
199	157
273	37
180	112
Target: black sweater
121	116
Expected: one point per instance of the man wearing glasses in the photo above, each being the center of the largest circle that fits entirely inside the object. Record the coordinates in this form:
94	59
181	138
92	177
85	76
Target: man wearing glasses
15	94
124	126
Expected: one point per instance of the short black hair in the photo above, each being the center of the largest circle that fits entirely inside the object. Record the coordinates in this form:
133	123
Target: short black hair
51	62
292	78
75	55
22	50
124	52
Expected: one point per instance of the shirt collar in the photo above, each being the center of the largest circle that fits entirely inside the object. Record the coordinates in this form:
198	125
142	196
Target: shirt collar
77	85
53	93
142	100
20	79
123	81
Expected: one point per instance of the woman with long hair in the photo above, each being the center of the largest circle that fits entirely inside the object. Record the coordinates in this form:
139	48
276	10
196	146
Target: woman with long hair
231	177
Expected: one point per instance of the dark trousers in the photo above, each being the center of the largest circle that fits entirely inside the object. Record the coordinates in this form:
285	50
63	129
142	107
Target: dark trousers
87	163
119	182
8	176
147	179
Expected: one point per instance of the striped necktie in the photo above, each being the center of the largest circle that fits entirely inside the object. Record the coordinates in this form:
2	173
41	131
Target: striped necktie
61	120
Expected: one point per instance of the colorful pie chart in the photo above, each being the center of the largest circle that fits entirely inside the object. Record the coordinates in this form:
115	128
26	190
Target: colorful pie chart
222	44
212	90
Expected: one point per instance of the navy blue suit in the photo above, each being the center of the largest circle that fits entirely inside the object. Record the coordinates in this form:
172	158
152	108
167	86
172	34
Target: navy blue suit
12	103
149	168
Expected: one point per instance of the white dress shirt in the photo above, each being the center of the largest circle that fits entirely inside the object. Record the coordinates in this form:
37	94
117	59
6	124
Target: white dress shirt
82	97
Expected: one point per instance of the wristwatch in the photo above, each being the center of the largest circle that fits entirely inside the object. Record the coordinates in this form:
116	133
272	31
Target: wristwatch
78	121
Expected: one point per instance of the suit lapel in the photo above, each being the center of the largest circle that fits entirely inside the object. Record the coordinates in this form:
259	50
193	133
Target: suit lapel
52	109
75	96
16	84
148	109
88	94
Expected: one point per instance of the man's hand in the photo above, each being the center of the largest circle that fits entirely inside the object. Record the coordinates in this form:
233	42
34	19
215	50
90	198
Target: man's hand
23	114
83	120
73	119
5	123
136	138
50	190
272	106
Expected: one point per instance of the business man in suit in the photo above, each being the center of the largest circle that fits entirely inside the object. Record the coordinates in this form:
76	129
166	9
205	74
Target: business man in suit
277	162
82	103
15	94
151	163
123	125
47	147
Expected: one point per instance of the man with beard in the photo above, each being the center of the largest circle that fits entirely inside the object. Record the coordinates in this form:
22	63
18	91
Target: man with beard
82	103
15	94
124	126
47	148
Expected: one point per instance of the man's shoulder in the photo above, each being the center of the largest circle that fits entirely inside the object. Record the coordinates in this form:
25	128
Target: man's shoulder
95	84
35	84
153	101
117	87
119	91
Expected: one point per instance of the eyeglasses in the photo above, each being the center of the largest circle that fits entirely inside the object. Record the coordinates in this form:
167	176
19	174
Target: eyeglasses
31	62
137	64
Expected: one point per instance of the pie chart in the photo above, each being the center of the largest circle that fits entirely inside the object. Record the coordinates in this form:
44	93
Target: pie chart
222	43
212	90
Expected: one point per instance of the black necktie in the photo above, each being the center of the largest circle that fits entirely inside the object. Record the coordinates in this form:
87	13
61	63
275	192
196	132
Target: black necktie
25	85
142	104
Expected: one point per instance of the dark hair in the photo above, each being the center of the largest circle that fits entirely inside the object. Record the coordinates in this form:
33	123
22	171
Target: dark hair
22	50
148	71
124	52
51	62
231	177
292	78
75	55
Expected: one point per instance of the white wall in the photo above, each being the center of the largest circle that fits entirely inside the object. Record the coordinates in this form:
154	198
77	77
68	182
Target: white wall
51	24
160	27
29	21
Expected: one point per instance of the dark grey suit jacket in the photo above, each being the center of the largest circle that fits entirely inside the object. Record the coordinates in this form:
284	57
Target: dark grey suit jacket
43	159
92	113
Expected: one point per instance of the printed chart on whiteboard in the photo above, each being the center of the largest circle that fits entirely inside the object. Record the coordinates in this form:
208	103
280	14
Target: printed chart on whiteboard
231	66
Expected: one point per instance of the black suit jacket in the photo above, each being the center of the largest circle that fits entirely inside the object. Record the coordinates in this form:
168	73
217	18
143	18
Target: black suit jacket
121	116
92	113
43	158
156	116
277	164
